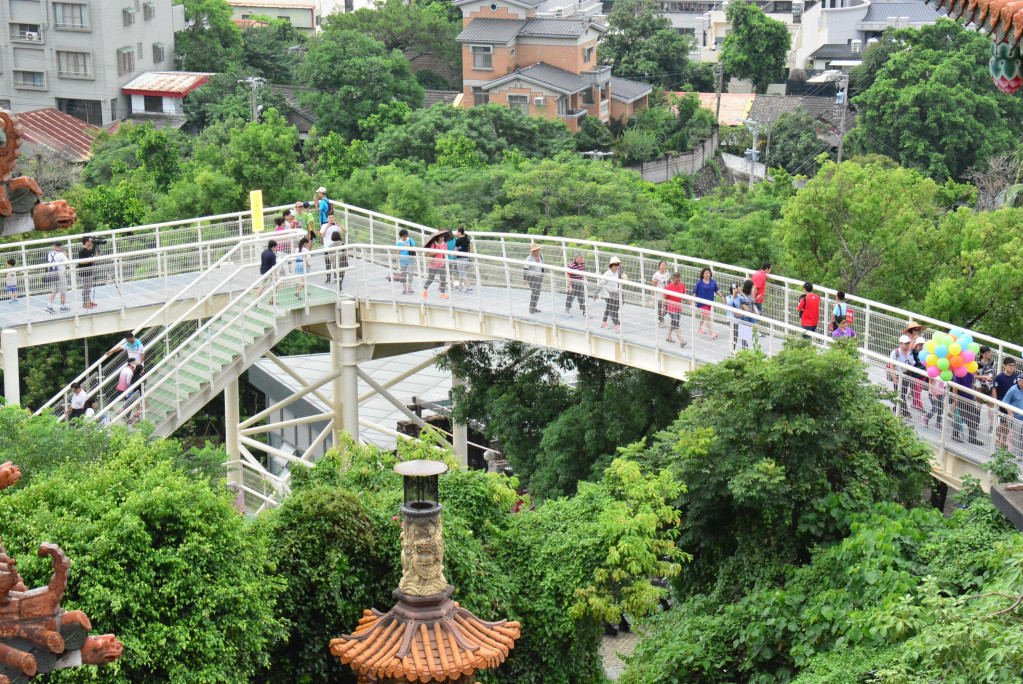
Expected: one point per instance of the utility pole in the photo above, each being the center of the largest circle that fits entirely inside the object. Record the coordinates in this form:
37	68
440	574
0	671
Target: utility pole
753	126
253	83
845	108
720	69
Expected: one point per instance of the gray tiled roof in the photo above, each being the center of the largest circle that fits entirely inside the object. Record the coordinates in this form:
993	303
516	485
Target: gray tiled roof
917	12
488	30
626	91
834	51
545	75
569	28
432	97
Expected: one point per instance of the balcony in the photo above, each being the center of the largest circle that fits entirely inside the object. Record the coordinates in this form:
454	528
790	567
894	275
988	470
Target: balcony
599	76
76	75
605	108
29	80
72	27
27	37
573	114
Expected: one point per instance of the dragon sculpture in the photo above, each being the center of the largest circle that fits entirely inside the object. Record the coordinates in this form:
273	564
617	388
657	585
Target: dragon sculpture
1003	21
21	208
36	634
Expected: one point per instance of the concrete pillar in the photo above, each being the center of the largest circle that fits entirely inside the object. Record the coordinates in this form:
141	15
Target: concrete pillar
460	431
336	391
9	345
231	420
349	369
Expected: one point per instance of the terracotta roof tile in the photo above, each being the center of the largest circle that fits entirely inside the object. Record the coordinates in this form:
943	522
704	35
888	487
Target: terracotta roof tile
69	137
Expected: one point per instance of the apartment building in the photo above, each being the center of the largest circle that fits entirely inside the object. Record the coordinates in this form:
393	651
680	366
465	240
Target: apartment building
302	14
77	55
545	66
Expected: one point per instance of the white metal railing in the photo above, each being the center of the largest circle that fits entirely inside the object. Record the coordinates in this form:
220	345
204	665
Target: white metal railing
166	327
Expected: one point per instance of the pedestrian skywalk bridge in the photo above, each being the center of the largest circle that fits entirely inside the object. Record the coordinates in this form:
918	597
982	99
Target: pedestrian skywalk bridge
192	292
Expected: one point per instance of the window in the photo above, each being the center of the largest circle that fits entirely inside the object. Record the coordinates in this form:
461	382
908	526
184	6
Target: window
89	111
158	53
31	80
563	105
479	96
154	104
482	57
587	55
125	61
29	32
74	64
149	11
587	96
113	109
128	16
70	16
138	51
520	102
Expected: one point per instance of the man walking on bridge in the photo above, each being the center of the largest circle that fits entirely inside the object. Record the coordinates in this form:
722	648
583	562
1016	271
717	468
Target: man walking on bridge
86	271
533	276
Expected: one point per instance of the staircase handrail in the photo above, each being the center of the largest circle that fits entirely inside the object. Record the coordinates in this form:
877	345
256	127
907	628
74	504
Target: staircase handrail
239	244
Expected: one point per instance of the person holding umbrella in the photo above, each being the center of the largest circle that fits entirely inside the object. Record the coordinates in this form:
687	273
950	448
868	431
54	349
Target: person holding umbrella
437	265
532	276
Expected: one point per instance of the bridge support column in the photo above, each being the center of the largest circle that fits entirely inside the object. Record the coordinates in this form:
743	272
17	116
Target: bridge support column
231	430
460	431
9	345
346	355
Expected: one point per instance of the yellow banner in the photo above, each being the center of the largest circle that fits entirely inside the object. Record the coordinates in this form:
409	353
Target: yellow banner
256	202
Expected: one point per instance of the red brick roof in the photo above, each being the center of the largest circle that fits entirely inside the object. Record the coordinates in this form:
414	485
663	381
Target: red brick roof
69	137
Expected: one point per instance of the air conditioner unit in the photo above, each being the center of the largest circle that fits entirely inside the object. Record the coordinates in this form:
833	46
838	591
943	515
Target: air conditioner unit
32	35
856	46
539	101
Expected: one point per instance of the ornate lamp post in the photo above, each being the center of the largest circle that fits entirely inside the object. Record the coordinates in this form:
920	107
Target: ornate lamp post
426	636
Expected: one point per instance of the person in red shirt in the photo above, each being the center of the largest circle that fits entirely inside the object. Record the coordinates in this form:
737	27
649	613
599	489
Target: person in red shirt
760	286
673	304
809	309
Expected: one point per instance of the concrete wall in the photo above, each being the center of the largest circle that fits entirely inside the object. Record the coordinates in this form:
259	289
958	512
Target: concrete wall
304	18
98	37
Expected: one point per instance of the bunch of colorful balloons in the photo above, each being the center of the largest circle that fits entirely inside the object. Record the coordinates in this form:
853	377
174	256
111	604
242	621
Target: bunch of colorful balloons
951	355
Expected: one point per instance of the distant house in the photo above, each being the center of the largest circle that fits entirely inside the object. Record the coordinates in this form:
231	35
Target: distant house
50	129
162	93
515	53
302	14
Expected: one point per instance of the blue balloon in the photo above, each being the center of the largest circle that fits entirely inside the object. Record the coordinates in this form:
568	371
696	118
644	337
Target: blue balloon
941	351
956	332
965	340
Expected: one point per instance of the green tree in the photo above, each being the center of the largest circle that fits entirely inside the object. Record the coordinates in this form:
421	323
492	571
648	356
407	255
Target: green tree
863	226
418	26
757	47
352	74
224	97
640	43
159	153
932	106
337	158
159	558
795	146
775	453
210	40
458	151
264	155
274	52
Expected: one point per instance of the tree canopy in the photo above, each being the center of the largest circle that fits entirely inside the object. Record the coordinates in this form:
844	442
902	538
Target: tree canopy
210	39
756	47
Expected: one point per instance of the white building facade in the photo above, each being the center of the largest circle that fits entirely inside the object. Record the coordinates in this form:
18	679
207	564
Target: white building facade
77	55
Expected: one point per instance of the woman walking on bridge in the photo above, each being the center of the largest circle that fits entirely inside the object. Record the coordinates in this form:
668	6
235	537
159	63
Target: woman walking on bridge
706	289
611	288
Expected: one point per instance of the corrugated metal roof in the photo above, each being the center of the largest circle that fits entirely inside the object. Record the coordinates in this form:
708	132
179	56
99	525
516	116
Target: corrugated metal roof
178	82
735	107
488	30
69	137
545	75
627	91
918	12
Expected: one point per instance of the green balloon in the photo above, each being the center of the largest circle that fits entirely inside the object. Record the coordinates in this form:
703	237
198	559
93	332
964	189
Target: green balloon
943	364
946	375
974	347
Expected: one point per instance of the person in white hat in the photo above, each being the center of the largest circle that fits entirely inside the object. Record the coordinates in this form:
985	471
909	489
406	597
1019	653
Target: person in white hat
898	376
532	276
611	289
324	206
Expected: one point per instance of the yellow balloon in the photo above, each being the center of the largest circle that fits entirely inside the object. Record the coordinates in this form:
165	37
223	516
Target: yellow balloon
971	367
930	345
931	360
955	350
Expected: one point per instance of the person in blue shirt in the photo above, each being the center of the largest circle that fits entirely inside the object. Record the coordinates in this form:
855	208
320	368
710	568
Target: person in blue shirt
323	204
1014	398
706	289
405	259
1001	385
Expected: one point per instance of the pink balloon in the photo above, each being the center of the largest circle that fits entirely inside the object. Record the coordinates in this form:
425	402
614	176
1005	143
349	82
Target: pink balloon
933	371
968	356
959	371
